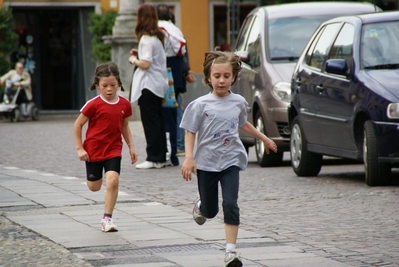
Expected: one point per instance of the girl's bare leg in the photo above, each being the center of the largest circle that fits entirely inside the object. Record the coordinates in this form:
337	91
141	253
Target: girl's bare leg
111	193
231	233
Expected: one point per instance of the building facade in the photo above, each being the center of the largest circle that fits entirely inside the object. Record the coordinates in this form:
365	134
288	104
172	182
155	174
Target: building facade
55	43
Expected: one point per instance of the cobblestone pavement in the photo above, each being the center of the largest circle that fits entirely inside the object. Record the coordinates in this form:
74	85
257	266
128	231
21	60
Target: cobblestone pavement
335	215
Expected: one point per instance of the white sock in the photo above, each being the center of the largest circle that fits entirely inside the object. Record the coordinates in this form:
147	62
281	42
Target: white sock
230	247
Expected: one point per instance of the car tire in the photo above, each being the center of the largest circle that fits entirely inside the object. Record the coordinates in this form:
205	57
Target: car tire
265	160
376	173
304	163
15	115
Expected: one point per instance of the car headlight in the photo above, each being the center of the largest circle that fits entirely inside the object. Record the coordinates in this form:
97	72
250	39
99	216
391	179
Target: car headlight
393	111
282	91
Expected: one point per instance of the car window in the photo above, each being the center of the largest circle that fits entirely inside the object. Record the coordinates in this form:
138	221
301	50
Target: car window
322	46
241	41
343	45
287	37
379	45
253	44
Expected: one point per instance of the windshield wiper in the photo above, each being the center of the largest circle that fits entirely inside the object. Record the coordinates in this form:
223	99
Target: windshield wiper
383	66
291	58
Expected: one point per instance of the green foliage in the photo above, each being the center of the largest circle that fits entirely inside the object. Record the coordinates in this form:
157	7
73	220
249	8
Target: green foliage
101	25
8	37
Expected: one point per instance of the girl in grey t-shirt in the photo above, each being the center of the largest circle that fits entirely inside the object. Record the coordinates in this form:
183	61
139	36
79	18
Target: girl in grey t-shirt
220	154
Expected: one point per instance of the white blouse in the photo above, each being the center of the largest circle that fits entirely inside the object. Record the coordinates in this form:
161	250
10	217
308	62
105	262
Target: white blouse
155	78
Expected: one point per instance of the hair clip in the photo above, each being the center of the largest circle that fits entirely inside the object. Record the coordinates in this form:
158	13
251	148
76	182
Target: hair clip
213	62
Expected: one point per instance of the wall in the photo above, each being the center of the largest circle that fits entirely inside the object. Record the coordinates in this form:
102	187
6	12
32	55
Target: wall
195	27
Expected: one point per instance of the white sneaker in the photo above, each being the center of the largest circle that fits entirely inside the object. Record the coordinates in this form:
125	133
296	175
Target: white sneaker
232	259
108	225
150	165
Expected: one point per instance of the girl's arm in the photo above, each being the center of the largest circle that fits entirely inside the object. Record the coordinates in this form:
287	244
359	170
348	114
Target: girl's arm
127	135
249	129
188	166
77	133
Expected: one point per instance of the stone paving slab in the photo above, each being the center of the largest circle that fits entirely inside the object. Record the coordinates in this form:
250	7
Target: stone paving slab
71	218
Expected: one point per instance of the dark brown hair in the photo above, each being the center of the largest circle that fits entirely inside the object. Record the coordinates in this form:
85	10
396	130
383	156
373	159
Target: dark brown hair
147	22
220	57
105	70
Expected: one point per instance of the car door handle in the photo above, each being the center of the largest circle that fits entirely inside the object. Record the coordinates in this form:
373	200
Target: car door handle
298	81
320	88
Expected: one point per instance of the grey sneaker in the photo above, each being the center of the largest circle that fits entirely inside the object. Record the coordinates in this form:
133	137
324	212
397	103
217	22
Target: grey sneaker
232	259
197	216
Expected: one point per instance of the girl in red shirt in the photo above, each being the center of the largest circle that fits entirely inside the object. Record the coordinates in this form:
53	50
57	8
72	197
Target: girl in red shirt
108	116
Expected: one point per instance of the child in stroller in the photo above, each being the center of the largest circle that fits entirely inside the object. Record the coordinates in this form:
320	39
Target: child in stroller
17	98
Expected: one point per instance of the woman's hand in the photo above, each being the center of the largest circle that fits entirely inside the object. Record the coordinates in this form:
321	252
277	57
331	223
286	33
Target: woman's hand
134	52
132	59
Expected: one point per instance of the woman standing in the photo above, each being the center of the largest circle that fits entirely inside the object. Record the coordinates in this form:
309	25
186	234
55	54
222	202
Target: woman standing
150	84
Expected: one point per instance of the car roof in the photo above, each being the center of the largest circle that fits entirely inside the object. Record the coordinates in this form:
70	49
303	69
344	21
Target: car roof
381	16
369	18
316	8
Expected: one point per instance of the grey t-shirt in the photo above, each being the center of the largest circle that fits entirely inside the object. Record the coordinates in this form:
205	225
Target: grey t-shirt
216	121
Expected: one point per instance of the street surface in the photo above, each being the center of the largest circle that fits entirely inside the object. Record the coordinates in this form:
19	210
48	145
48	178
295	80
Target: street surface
334	215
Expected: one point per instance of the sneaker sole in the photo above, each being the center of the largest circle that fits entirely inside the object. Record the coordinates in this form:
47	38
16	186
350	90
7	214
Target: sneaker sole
110	230
234	263
200	220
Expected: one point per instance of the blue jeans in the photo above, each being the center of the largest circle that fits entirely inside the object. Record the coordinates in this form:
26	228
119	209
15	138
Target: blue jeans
180	131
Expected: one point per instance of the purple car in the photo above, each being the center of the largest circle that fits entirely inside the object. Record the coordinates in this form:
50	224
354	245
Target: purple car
345	96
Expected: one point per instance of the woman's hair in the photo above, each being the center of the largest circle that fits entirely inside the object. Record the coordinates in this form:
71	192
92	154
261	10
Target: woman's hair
220	57
105	70
147	22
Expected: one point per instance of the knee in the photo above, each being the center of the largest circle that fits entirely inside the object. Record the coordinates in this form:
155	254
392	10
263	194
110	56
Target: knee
93	186
231	213
229	205
112	182
210	213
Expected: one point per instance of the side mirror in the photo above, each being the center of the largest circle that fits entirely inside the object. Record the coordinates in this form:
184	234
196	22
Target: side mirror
337	66
243	56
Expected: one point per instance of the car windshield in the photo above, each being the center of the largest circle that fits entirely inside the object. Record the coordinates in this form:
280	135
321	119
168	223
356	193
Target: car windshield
379	46
289	36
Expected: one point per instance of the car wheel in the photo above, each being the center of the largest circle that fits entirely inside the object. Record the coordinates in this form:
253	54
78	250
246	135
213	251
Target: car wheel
376	173
15	115
303	162
264	159
35	113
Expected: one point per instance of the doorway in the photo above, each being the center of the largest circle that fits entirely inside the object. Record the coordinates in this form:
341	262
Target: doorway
52	44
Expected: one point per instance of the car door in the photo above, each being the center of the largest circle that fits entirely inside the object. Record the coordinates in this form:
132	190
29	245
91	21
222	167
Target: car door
249	50
309	78
338	95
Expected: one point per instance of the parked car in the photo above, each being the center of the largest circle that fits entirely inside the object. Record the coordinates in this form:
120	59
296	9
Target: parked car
345	97
269	43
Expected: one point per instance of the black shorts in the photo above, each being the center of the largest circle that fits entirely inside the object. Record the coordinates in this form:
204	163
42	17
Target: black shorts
94	170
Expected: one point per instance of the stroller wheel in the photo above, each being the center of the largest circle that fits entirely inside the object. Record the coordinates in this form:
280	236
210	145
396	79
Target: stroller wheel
16	114
35	114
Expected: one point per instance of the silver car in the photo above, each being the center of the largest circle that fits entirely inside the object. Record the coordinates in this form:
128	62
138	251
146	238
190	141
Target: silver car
269	43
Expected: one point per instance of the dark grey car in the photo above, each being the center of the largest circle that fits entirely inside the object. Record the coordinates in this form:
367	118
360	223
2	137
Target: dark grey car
269	43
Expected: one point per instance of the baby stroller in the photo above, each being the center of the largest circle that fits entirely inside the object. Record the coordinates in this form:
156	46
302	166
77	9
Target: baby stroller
12	109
